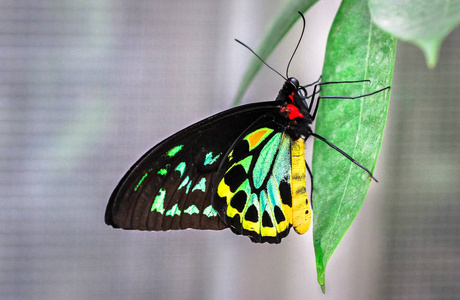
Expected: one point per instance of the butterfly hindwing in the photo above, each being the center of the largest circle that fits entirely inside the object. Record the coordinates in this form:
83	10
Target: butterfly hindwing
253	188
170	186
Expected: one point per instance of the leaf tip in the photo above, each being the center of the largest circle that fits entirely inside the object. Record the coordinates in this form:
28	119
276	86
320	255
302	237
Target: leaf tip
431	50
321	278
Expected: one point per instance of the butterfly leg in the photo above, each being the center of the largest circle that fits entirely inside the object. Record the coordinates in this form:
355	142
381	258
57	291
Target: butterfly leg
316	90
340	97
344	154
313	83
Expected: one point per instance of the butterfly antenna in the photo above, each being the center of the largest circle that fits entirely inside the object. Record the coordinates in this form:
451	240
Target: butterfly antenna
298	43
247	47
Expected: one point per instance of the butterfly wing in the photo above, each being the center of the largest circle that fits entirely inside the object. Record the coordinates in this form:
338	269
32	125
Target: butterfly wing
169	187
259	180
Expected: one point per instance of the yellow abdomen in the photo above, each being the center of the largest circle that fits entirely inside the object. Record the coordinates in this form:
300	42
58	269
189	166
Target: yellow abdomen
301	211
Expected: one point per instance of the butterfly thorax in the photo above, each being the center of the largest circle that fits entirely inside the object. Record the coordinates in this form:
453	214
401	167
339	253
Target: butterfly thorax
294	109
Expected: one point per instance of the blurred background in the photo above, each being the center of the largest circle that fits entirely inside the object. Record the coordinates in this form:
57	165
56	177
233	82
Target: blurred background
86	87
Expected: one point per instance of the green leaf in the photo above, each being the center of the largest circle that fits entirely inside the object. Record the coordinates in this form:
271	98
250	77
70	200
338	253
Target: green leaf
285	19
421	22
356	50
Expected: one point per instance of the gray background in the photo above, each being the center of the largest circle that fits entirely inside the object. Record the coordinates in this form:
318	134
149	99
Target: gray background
86	87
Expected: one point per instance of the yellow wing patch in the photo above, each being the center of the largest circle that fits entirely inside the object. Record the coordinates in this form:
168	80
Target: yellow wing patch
257	136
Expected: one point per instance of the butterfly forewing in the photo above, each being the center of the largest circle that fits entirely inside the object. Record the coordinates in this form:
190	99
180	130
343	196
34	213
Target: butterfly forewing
170	186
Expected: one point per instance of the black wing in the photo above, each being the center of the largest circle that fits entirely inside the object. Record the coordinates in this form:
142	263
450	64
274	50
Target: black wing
169	186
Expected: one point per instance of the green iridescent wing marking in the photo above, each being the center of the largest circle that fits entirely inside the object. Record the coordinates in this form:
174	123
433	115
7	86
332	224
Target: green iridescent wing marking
170	187
170	193
253	193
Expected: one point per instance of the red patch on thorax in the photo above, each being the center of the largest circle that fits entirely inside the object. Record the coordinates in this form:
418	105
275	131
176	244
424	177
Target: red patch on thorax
293	112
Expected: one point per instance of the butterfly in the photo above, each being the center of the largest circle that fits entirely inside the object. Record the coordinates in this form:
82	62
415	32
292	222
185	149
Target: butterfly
243	169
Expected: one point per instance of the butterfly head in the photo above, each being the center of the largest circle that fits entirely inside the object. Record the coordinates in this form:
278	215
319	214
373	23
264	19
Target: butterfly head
293	93
292	83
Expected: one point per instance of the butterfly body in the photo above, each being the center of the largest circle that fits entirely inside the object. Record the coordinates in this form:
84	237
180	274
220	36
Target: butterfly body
243	168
